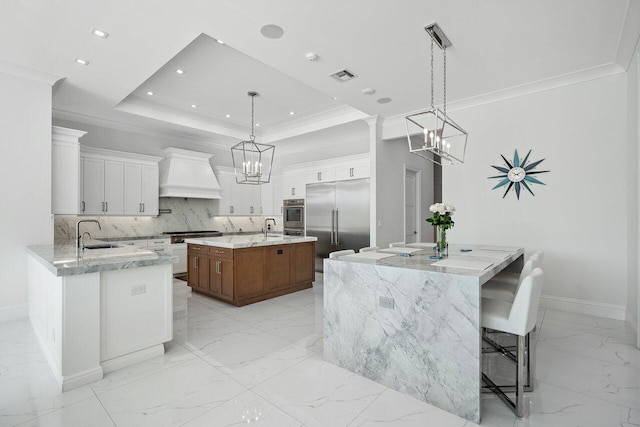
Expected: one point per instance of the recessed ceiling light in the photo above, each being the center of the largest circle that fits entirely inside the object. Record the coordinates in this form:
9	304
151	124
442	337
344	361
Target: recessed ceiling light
149	93
335	98
194	106
82	61
384	100
312	56
272	31
257	124
228	116
291	113
99	33
220	41
368	91
180	71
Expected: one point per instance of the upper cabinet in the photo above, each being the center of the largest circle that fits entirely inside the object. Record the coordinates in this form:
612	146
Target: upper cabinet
65	170
117	183
296	178
246	199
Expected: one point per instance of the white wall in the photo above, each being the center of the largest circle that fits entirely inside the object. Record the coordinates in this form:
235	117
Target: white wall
391	158
633	134
580	218
25	177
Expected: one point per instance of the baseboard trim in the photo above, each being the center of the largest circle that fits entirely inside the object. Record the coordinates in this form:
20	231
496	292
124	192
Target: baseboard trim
13	312
132	358
69	382
610	311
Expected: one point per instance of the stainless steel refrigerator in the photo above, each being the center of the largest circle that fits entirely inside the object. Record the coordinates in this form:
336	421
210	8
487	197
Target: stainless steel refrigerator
338	215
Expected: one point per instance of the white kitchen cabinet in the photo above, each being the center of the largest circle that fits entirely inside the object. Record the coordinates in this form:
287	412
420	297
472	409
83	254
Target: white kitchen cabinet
250	199
117	183
277	195
65	171
113	187
140	189
353	171
294	186
92	186
266	198
179	250
321	175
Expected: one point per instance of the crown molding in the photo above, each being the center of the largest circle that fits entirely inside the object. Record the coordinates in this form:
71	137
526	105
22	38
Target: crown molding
28	73
629	36
322	143
394	127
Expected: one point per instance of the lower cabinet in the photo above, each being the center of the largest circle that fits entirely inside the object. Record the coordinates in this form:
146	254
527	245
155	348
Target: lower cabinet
248	275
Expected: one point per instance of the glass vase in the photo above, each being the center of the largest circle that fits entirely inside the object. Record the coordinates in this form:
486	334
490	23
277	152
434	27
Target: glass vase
442	246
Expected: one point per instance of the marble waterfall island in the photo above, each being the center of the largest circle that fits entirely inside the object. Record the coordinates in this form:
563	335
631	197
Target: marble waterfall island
100	311
413	323
243	269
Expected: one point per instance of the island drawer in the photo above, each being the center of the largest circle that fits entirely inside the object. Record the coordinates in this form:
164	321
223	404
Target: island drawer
200	249
221	252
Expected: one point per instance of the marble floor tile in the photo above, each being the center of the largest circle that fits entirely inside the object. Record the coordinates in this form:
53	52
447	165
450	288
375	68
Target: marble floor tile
307	333
396	409
251	362
247	408
202	336
266	316
595	346
591	324
170	397
320	394
174	354
87	413
595	378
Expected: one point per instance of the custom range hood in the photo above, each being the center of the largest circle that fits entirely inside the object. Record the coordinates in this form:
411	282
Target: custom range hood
185	173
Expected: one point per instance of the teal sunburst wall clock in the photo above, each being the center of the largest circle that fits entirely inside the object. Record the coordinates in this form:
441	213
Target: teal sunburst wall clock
518	174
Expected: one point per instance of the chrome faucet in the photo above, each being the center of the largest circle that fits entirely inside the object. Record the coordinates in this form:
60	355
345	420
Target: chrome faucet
78	236
266	228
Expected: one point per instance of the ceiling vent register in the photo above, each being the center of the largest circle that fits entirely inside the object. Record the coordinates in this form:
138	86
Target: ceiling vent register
343	75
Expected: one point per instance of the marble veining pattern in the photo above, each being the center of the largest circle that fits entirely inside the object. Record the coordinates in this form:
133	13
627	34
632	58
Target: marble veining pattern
176	389
249	241
428	346
186	215
61	260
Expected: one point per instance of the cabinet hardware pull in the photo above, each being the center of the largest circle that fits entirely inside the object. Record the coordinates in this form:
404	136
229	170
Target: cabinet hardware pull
102	206
351	172
195	248
230	209
293	191
106	206
219	252
251	209
218	270
158	250
319	176
83	206
143	207
160	241
195	262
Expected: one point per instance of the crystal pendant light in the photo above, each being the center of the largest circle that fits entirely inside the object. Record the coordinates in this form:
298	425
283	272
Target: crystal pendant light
252	162
431	133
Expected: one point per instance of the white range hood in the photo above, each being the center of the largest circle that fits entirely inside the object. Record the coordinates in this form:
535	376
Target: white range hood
185	173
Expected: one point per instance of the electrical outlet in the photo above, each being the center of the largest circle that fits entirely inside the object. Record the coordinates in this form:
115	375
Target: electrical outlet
269	227
138	290
386	302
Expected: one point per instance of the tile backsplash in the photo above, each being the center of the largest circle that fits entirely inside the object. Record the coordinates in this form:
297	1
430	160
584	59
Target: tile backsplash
186	215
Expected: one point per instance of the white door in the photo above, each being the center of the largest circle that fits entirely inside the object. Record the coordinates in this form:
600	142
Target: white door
113	187
132	189
410	204
92	186
150	190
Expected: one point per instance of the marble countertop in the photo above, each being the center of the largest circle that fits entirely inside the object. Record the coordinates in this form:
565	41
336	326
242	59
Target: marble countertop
498	256
116	239
238	241
61	260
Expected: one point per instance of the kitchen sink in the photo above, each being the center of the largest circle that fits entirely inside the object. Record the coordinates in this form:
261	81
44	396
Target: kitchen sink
101	246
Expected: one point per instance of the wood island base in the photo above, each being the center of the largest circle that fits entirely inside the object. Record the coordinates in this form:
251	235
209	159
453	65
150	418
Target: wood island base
249	275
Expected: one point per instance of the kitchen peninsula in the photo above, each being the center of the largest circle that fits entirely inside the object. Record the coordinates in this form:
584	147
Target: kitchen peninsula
411	322
98	310
244	269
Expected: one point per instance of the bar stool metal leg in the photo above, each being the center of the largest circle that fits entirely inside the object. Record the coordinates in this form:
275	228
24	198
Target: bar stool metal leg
521	378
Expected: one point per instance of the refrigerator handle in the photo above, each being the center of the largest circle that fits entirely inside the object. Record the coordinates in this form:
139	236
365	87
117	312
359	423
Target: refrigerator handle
333	225
337	239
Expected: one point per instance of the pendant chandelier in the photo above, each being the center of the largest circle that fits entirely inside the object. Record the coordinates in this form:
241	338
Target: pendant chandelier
252	162
432	134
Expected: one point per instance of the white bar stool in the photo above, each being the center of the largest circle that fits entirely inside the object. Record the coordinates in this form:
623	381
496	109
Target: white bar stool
517	318
341	253
506	291
515	278
396	244
369	249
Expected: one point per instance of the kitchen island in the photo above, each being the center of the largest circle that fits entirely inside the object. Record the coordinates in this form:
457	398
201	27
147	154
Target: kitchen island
244	269
411	322
98	310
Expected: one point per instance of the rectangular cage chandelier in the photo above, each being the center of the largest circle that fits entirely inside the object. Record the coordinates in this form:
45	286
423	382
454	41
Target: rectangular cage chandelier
252	161
432	134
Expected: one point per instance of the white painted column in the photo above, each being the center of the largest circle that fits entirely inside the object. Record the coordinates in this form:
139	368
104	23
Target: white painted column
375	138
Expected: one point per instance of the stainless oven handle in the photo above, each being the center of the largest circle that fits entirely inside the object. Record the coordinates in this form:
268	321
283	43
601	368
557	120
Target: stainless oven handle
333	225
337	227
